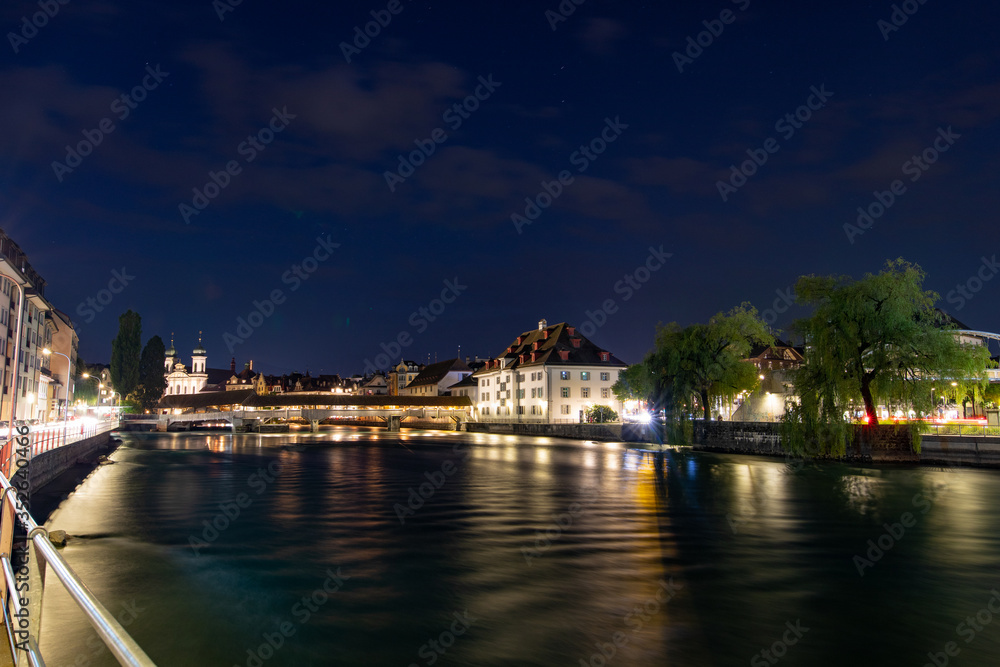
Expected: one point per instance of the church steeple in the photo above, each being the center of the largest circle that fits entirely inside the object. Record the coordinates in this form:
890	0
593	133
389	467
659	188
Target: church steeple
198	357
171	356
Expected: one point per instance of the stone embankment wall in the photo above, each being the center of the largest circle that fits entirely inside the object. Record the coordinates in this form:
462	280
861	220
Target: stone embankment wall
46	466
602	432
879	444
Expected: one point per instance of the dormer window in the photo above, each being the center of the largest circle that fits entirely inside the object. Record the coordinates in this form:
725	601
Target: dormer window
575	342
605	356
564	355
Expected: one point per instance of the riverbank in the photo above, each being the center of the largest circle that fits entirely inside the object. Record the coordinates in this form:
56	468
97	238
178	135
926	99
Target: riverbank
883	444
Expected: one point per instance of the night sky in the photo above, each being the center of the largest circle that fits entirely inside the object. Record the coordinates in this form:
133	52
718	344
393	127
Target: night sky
375	250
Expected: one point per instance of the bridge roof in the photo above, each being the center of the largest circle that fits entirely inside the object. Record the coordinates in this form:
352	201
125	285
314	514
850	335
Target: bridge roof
206	399
340	400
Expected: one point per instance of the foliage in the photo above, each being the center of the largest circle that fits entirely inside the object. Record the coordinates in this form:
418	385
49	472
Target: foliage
152	381
702	362
874	340
635	383
125	353
84	388
600	414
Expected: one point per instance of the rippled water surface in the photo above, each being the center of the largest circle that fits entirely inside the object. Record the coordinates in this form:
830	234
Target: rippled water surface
525	551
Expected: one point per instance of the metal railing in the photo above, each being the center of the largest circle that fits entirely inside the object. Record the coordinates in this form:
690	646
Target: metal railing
963	429
44	440
22	621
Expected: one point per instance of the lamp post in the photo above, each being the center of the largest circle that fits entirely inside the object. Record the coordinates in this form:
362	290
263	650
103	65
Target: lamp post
46	351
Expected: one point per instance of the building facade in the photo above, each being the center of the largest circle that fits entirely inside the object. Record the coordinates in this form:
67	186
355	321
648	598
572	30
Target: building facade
26	376
549	375
401	375
437	378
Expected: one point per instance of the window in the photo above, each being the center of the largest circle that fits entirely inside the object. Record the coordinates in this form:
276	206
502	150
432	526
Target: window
605	377
565	409
563	375
498	396
565	392
605	392
585	375
503	401
508	393
585	392
539	392
533	390
520	409
520	393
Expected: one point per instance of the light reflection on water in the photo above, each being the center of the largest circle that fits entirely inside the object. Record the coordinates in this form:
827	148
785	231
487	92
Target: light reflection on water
551	545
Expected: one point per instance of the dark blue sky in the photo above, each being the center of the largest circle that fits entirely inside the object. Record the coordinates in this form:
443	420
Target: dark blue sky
323	175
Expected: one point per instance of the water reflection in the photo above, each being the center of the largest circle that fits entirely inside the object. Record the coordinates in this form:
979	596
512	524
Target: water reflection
554	546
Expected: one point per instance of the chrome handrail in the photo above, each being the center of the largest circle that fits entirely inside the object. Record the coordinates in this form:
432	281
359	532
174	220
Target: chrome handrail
118	641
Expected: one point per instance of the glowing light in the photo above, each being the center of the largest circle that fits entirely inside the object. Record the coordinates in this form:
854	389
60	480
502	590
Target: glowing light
644	417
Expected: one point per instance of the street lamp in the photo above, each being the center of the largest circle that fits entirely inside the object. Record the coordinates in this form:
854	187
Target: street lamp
46	351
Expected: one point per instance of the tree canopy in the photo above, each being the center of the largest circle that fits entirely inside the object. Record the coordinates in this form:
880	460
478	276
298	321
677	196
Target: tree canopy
878	340
697	364
152	381
125	353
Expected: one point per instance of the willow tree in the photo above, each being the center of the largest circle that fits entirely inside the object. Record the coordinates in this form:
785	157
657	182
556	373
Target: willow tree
701	362
878	340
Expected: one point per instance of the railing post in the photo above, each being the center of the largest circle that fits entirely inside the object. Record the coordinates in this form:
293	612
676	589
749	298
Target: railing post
35	591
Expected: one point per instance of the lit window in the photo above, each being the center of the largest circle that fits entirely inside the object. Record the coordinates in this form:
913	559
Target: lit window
584	375
563	375
565	392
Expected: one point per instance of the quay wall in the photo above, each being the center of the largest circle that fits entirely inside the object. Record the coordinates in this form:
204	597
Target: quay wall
46	466
616	432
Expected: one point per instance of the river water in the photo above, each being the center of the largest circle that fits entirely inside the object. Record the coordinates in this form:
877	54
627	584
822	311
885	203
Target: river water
359	547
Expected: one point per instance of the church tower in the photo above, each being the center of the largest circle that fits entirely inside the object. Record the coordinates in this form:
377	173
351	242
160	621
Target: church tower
171	358
198	358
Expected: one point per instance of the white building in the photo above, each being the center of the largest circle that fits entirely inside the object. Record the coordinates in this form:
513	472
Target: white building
180	380
548	375
31	391
435	379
